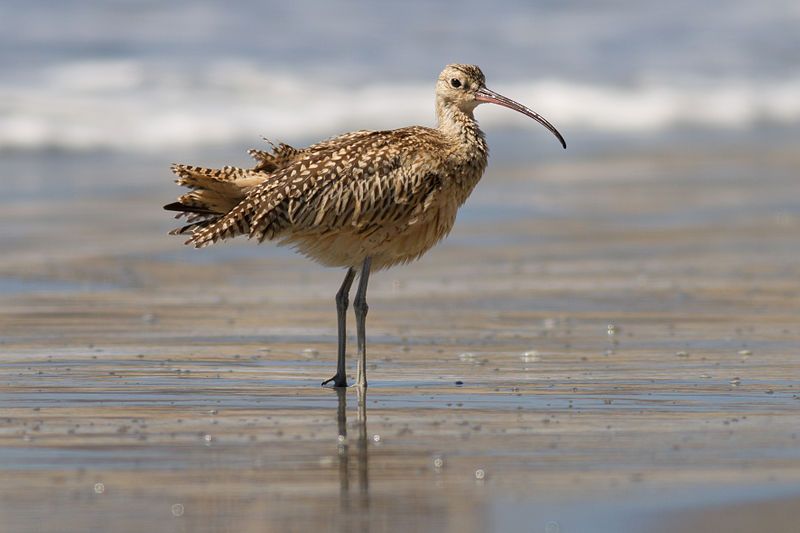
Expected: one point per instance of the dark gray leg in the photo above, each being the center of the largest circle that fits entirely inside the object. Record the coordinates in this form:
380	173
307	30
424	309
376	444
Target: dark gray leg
340	379
361	307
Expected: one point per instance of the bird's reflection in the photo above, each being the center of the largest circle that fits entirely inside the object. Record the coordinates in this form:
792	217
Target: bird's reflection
361	455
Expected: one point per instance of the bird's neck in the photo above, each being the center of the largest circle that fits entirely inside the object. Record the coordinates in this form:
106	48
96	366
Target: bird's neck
461	127
470	152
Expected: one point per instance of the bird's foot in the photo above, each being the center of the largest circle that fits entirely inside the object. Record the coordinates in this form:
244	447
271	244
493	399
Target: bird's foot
338	381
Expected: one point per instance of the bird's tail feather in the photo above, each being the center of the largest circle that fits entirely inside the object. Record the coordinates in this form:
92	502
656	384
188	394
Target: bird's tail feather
214	193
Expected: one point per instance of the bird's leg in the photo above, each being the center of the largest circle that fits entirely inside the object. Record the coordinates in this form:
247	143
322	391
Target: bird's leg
340	379
361	308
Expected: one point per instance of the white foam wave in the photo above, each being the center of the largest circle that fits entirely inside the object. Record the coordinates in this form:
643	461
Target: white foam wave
129	105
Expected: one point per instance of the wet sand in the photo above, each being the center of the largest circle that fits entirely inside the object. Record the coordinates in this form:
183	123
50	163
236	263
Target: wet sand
605	345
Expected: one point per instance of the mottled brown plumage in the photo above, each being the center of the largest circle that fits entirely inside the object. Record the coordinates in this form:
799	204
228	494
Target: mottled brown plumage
367	198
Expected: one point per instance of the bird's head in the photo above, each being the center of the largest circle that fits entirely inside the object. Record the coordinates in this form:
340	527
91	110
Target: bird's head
464	87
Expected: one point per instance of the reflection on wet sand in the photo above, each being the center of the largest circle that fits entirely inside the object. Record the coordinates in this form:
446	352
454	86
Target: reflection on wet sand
343	451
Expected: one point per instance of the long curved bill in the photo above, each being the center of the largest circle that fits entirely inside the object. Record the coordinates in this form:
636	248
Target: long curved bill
485	95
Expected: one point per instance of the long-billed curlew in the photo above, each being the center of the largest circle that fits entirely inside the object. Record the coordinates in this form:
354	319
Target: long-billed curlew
366	199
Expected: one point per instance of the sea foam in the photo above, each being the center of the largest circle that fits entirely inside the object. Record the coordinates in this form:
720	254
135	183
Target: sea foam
133	105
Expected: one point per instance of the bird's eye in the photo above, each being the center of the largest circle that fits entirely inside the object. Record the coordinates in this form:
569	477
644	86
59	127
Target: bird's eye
455	82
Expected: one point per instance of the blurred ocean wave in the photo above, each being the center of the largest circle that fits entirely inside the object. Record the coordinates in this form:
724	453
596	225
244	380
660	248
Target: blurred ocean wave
149	76
130	105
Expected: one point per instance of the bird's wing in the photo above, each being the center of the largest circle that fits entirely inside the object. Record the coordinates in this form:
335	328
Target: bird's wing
353	182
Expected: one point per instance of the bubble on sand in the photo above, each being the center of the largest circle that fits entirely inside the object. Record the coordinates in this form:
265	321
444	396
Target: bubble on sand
480	474
531	356
177	509
99	488
613	329
438	462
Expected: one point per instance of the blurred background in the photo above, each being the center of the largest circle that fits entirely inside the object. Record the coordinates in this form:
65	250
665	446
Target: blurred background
154	77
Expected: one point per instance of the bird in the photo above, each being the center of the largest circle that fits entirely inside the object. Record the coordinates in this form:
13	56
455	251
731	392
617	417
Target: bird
363	201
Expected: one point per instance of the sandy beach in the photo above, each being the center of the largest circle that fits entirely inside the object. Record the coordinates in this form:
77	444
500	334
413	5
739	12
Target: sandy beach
604	344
